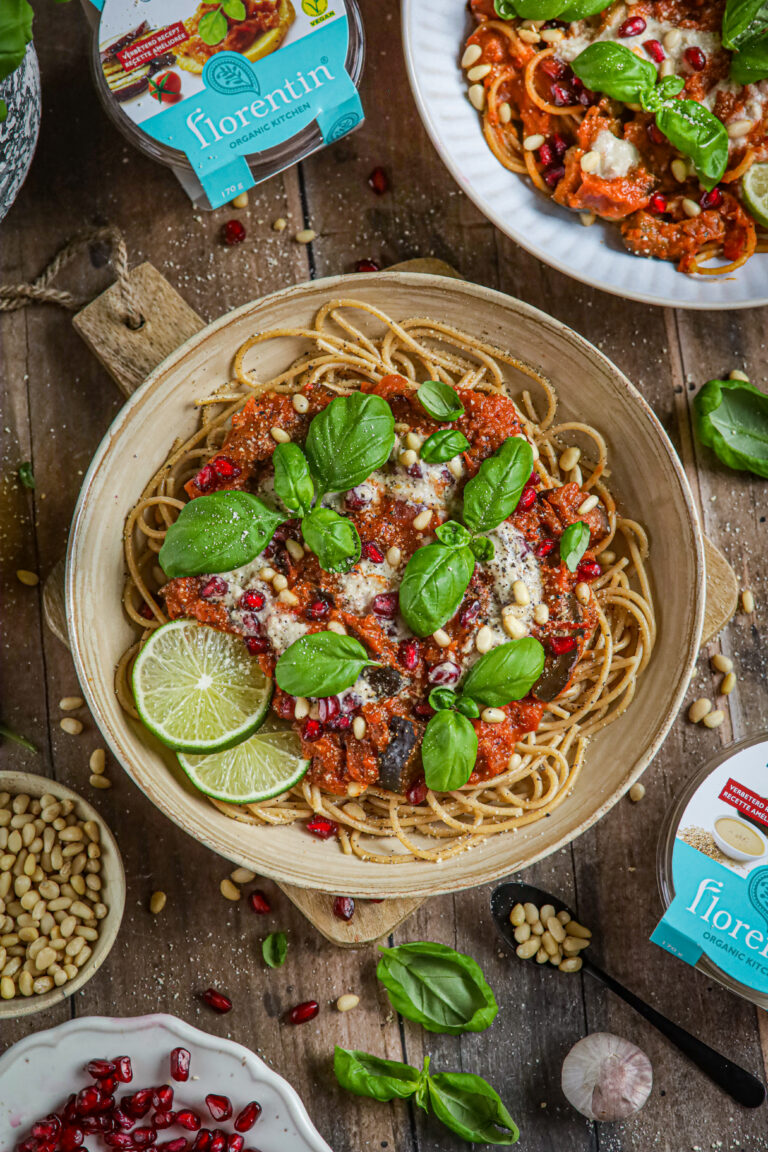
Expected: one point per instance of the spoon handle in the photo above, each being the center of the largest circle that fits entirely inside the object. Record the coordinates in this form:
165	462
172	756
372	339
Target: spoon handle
745	1088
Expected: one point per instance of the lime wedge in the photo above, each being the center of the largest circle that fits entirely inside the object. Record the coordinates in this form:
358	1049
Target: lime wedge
198	689
262	767
754	189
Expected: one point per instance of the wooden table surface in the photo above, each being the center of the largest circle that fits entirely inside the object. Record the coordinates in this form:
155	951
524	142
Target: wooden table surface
57	403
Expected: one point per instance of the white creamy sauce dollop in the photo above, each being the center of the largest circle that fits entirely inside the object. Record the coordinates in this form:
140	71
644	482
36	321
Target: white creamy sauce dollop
617	157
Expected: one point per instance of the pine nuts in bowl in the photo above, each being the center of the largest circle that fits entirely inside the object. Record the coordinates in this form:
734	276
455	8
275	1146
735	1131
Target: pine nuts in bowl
62	893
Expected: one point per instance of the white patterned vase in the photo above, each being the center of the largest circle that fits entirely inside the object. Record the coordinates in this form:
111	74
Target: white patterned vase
18	132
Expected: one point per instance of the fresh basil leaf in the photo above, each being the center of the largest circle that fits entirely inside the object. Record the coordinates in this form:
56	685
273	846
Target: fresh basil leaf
442	698
3	107
212	27
506	673
539	9
494	493
433	585
448	751
731	418
333	539
217	533
452	534
471	1108
439	988
349	440
671	86
443	445
16	18
26	475
235	9
699	134
605	66
367	1075
7	733
440	400
468	707
321	664
581	9
743	22
483	548
505	9
274	949
293	481
750	64
573	544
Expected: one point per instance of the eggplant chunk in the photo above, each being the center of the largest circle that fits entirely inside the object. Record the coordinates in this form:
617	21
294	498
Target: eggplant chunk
397	761
384	680
557	672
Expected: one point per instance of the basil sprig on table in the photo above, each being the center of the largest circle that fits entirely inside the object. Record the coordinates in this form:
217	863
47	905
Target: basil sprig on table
440	400
573	544
443	445
274	949
463	1102
449	746
437	987
321	664
731	418
217	533
26	475
612	68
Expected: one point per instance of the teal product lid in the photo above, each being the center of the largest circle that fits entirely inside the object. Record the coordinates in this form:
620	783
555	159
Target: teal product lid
229	93
713	871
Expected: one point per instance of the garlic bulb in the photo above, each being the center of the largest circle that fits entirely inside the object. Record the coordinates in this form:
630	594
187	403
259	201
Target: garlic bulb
606	1078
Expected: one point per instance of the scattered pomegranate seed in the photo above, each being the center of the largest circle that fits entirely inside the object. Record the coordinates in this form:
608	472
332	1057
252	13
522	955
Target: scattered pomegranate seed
695	58
562	644
343	907
100	1069
558	144
122	1120
317	610
206	478
367	266
527	499
654	50
373	553
248	1117
546	155
561	96
417	792
322	828
139	1104
655	134
220	1107
424	708
469	612
252	600
259	902
180	1144
144	1137
304	1012
554	68
119	1140
220	1003
202	1140
225	468
312	731
340	723
415	471
164	1119
218	1141
378	181
163	1097
187	1118
47	1128
233	232
408	654
88	1100
658	203
544	548
632	27
712	199
235	1143
180	1061
357	498
256	645
214	587
328	707
589	570
444	673
385	604
71	1138
554	175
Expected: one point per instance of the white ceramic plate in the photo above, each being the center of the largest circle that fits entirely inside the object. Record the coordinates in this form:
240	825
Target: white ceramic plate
38	1074
433	34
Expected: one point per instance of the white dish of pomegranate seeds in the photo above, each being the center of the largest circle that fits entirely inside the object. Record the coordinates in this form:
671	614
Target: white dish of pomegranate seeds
434	35
230	1075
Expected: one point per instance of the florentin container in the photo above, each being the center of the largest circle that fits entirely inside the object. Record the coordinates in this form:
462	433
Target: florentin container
228	96
713	871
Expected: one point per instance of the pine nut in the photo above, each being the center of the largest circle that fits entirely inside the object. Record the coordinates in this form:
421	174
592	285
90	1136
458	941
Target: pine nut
288	597
493	716
520	592
279	225
672	39
455	466
522	933
513	626
541	613
157	902
300	403
552	35
533	142
408	458
100	782
71	726
479	72
699	709
690	207
738	128
70	703
279	582
359	727
517	915
576	929
538	928
590	161
722	663
79	909
28	578
607	558
748	602
572	945
531	913
25	983
570	458
279	435
582	592
737	374
529	35
347	1002
546	912
679	170
587	218
393	556
728	684
505	112
484	639
572	964
713	719
666	68
476	96
229	890
528	948
590	503
7	988
82	957
556	928
637	792
301	708
421	521
242	876
337	627
305	236
295	550
548	943
472	54
44	959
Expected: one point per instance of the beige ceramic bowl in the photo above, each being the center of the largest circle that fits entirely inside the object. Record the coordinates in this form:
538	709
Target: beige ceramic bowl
646	477
113	878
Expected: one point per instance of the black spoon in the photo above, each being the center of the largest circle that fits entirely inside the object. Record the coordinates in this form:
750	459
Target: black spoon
745	1088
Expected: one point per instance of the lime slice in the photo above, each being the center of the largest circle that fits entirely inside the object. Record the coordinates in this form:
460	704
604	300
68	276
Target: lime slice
258	769
198	689
754	189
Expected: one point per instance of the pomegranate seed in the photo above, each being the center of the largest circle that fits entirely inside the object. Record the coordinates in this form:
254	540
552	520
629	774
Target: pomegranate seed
343	907
357	498
446	672
317	610
408	654
322	828
69	1111
373	553
561	96
562	644
340	724
367	266
30	1145
233	232
252	600
655	134
259	903
527	499
328	707
555	69
220	1003
235	1143
164	1119
100	1069
220	1107
544	548
189	1119
312	731
256	645
378	181
139	1104
424	708
417	792
71	1138
202	1140
654	50
695	58
558	144
218	1141
632	27
180	1144
119	1140
415	471
385	604
225	468
554	176
248	1117
88	1100
712	199
123	1069
589	570
470	610
163	1097
144	1137
658	203
109	1084
214	587
47	1128
180	1061
546	155
122	1120
304	1012
205	478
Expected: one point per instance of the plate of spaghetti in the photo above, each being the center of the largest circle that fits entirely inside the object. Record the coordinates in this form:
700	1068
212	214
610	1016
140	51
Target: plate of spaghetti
633	120
440	560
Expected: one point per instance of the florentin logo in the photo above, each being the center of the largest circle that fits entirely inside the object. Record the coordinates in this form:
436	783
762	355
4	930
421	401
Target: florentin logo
727	926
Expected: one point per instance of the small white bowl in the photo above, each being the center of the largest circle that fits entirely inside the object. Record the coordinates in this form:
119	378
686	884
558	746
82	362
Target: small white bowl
728	849
55	1060
113	878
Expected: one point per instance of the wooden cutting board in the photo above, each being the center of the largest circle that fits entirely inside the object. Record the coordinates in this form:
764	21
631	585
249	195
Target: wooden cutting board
129	355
